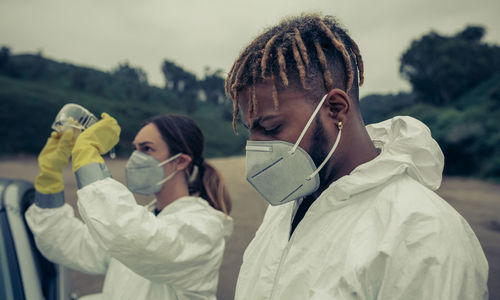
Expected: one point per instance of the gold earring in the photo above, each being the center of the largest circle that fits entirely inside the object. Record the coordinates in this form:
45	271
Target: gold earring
340	125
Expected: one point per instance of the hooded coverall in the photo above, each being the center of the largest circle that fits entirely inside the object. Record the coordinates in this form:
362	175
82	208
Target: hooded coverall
378	233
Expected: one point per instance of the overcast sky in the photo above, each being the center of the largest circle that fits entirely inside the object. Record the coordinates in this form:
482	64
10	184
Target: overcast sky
196	33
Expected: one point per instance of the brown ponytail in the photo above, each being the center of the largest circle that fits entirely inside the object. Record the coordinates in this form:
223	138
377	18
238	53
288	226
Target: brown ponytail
214	187
181	134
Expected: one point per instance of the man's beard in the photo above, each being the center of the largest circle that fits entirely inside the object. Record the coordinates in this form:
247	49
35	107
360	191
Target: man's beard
319	149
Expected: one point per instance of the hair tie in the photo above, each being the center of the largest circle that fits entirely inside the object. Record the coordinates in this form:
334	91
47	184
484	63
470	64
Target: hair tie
194	174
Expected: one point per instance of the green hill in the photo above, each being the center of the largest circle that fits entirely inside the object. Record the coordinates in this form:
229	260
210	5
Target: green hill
466	130
33	89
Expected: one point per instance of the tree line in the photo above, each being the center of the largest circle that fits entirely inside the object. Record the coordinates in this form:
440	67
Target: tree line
455	82
182	88
33	88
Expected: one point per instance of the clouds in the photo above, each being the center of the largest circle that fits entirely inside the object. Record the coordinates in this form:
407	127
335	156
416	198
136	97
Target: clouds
197	33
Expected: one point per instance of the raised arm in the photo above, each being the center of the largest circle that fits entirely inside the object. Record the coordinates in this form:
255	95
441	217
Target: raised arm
59	235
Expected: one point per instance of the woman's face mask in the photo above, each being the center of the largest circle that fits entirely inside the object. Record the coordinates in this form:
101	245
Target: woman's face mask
281	171
145	174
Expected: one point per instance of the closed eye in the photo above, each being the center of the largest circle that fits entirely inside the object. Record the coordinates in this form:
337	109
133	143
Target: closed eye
272	131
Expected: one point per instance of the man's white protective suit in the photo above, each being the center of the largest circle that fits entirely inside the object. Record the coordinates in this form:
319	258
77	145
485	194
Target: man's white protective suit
378	233
175	255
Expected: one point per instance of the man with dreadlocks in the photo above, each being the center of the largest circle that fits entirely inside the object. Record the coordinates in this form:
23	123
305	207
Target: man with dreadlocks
353	212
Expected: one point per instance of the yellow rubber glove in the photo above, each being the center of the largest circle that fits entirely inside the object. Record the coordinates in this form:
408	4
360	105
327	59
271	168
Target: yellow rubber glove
98	139
51	161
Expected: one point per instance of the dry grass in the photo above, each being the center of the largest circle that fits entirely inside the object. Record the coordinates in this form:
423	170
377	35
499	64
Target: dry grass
477	201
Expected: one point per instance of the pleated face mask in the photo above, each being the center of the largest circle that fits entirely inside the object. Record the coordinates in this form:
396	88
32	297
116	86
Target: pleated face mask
281	171
145	174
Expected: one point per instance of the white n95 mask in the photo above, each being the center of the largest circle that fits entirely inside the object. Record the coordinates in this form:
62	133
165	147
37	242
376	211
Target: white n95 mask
281	171
145	174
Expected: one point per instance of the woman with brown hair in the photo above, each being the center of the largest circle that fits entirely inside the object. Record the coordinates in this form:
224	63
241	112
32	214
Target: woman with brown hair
172	252
180	137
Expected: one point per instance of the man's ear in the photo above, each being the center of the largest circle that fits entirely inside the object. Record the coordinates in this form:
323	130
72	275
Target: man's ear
182	162
338	104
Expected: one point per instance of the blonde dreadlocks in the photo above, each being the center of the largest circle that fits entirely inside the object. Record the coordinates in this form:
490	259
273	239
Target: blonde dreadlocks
299	50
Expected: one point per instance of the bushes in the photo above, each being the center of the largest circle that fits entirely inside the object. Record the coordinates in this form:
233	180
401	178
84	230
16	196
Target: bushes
467	131
33	89
29	107
220	140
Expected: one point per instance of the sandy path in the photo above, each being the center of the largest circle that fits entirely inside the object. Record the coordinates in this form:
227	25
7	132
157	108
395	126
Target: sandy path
477	201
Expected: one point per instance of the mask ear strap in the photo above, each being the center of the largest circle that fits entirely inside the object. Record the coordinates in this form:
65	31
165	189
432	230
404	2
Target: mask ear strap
167	178
337	140
307	125
170	159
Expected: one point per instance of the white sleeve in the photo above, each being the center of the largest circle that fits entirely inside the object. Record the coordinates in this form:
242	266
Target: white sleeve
65	240
183	249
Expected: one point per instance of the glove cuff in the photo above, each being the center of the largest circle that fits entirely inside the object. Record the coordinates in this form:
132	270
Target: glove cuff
90	173
49	200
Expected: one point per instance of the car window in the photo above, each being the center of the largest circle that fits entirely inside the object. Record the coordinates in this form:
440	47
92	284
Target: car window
11	286
10	278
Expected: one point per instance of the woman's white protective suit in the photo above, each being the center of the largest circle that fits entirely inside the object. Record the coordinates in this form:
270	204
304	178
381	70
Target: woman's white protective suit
378	233
174	255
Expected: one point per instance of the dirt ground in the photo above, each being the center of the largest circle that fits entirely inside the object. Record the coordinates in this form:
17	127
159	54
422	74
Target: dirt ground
477	201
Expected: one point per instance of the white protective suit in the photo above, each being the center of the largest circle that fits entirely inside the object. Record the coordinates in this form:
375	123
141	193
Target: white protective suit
378	233
175	255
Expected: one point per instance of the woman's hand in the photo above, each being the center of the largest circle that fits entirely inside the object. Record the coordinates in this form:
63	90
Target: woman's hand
96	140
51	161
